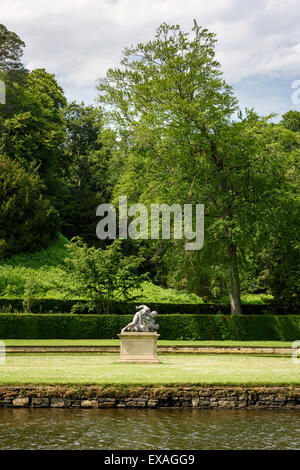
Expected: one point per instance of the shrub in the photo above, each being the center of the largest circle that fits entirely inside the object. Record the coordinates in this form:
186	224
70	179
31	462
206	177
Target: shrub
123	308
172	327
30	291
102	275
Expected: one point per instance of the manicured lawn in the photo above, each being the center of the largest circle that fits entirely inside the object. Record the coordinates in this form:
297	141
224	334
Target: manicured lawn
116	342
174	369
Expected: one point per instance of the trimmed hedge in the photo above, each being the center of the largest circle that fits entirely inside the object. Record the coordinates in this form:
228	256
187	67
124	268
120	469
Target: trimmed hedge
128	308
172	327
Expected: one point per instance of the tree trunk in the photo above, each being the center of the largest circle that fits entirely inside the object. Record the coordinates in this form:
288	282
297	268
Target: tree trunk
234	295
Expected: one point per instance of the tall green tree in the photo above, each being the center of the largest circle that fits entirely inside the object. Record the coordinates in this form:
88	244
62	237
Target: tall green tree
31	121
11	50
35	133
176	116
88	150
31	145
12	70
280	257
27	220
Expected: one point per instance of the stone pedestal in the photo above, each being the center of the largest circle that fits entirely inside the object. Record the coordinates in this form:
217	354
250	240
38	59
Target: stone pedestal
138	347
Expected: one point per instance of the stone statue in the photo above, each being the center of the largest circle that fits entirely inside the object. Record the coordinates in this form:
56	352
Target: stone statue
143	320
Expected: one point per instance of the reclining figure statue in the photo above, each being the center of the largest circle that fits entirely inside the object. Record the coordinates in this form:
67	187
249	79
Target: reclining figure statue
143	320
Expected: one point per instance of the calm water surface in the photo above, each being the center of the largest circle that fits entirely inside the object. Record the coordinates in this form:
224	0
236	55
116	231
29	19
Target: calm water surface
148	429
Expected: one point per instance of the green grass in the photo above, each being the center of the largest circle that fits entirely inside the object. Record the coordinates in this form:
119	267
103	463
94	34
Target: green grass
249	299
116	342
174	369
256	299
47	271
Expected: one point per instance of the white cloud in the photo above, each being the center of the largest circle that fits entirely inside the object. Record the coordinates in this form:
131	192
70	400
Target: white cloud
79	39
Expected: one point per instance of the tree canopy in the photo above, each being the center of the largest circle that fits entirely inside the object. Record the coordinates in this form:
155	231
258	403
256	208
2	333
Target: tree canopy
27	220
167	129
11	50
187	143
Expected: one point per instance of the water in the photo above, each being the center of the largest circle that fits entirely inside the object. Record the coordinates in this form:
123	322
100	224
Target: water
148	429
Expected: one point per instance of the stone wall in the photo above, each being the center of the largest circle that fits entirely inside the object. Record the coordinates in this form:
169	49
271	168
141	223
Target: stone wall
150	397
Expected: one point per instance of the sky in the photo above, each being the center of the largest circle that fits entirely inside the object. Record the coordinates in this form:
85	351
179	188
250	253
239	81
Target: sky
78	40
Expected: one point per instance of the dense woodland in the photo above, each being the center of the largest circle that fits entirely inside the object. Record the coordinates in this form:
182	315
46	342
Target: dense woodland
167	129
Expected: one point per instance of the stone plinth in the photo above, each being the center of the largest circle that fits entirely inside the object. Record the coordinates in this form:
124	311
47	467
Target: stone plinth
139	347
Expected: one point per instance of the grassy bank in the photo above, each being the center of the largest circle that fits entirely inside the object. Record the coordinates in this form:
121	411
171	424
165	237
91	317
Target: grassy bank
46	272
174	369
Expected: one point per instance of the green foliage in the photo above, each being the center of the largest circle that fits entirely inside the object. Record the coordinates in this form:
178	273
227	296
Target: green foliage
27	219
281	256
30	292
61	326
169	136
102	275
34	134
154	293
172	327
252	299
174	114
291	121
83	306
89	149
46	266
11	50
282	259
49	269
83	125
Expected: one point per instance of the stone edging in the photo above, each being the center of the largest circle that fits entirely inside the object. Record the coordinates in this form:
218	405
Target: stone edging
196	397
160	349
